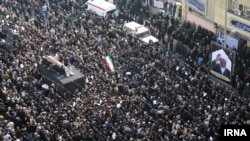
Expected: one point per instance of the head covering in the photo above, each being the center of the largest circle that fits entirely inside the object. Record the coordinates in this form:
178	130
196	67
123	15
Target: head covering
224	57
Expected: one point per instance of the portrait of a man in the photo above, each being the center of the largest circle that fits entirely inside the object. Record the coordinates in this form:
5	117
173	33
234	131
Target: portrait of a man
219	64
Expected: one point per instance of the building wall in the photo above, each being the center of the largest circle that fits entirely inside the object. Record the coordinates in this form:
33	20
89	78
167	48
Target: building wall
203	19
210	10
215	15
219	12
236	29
209	4
201	22
219	16
244	2
184	13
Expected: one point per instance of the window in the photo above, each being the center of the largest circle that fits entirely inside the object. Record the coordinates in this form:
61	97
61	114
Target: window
127	30
144	34
241	7
246	11
237	8
235	5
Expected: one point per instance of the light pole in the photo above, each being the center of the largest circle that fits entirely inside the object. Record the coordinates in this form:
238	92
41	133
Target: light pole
225	26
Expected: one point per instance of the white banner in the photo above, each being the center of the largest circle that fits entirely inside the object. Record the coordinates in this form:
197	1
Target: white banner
159	3
232	42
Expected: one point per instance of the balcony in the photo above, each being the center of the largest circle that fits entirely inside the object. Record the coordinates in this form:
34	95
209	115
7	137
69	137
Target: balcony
237	12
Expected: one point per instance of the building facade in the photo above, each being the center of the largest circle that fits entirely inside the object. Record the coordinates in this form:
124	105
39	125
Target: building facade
200	12
215	15
237	18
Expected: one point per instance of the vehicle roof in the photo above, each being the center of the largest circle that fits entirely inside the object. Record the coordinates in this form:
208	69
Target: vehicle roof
102	5
134	26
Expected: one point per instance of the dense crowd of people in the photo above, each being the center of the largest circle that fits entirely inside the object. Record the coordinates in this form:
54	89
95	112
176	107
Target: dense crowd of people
157	92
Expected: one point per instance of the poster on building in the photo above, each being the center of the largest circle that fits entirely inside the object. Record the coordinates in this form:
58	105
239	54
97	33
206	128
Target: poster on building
159	3
222	62
199	5
231	42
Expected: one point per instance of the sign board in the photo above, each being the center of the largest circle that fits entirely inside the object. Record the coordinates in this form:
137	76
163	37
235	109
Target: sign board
240	25
159	3
199	5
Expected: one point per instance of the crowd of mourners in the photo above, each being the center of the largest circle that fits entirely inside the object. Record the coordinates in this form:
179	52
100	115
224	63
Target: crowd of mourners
158	92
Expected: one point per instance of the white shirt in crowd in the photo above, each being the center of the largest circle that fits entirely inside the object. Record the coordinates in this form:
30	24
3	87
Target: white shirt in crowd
7	137
44	8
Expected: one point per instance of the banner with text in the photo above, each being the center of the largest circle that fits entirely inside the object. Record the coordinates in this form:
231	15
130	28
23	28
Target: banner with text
240	25
199	5
159	3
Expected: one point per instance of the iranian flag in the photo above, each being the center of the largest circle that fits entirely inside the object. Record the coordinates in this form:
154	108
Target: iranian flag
109	63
